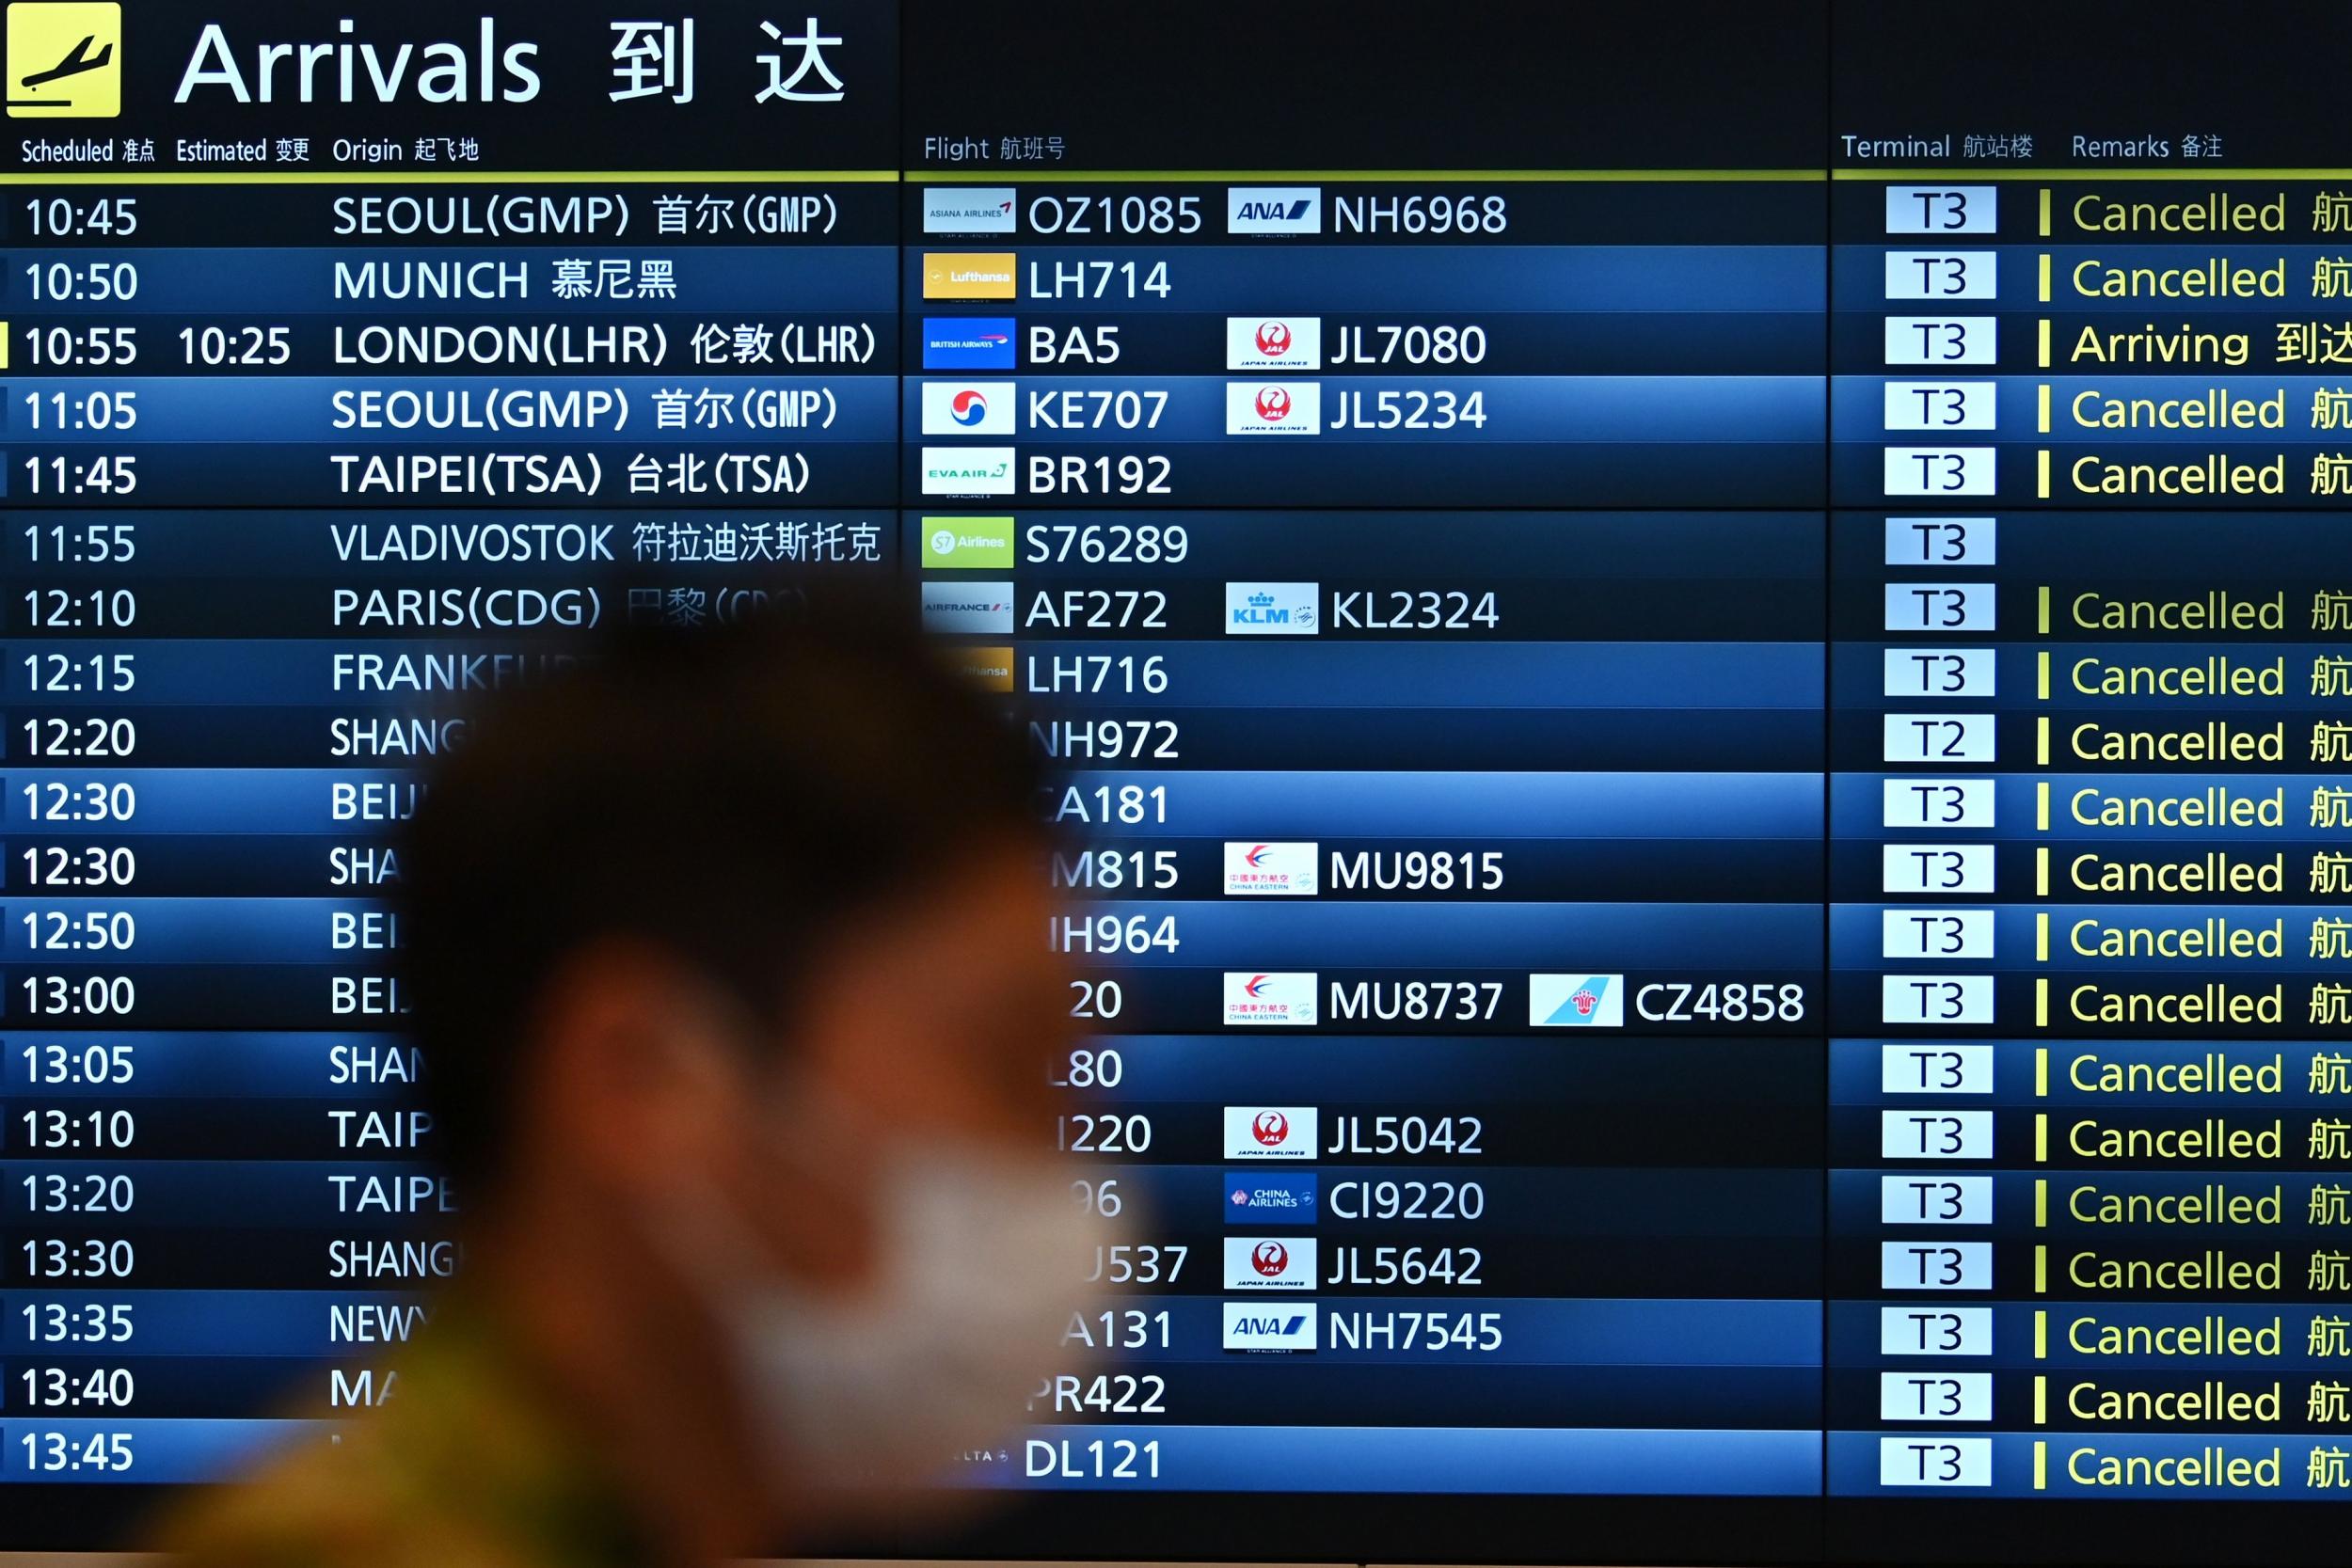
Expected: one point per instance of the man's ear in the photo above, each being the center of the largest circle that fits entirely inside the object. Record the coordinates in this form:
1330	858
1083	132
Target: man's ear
637	1063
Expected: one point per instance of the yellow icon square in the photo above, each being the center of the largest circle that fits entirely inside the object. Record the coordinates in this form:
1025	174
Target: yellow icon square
65	59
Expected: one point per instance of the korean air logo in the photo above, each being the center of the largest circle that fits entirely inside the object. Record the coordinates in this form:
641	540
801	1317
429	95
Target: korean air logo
1271	343
981	609
968	342
967	407
1271	608
967	471
1576	1001
1274	210
968	210
1270	999
1271	870
1273	409
1270	1132
1270	1262
1251	1327
1290	1199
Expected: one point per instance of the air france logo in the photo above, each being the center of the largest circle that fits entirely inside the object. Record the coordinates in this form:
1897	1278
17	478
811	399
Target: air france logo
1274	210
1270	1262
967	407
1270	1132
1266	343
1273	409
983	609
1263	999
1576	1001
1273	870
1251	1327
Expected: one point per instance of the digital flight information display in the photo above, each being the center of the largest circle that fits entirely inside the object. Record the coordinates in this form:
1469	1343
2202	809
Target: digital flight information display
1695	661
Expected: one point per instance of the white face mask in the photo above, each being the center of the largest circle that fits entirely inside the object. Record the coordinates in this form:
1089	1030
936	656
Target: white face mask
981	1259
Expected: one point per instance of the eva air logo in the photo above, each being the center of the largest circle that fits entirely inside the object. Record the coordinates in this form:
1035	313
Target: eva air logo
65	59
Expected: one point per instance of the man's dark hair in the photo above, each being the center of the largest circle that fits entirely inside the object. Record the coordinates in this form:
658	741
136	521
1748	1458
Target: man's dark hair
728	795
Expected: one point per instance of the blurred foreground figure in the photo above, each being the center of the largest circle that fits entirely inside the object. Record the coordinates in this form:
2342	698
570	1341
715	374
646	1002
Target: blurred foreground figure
729	964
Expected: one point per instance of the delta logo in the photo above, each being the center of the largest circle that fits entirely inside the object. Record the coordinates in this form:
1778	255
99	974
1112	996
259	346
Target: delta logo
1271	608
1576	1001
1272	343
968	210
1274	210
1252	1327
1270	1262
1270	1132
967	543
1273	409
1261	1000
1250	1197
1285	870
967	407
968	274
967	471
962	609
968	342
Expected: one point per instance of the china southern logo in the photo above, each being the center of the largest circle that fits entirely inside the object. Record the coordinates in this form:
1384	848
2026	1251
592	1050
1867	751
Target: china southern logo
982	608
967	471
1250	1197
1274	210
1259	999
968	210
967	543
1270	1262
1270	870
1251	1327
1270	1132
968	342
65	60
1270	609
967	408
1273	409
1273	343
1576	1001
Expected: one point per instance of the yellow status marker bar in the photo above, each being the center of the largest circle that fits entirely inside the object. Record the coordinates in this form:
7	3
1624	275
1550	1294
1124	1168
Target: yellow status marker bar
2041	607
2040	1333
2041	741
2042	873
2045	212
2041	408
2042	344
2041	1007
2041	938
2041	1072
2041	1137
2041	473
2041	1399
2043	281
2041	682
2041	1203
2040	1269
2041	798
2041	1464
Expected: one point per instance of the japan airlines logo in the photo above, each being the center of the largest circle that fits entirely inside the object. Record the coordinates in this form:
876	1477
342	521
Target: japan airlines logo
1277	408
1249	1327
1270	1262
968	210
967	407
1271	870
1270	1132
1260	343
968	342
968	608
1576	1001
1271	608
967	471
1274	210
1267	1000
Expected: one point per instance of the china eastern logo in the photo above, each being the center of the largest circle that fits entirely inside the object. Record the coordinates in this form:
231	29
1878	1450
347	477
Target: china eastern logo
1576	1001
1263	999
1251	1327
1273	343
1270	1262
967	408
1270	870
1273	409
967	543
65	60
1270	1132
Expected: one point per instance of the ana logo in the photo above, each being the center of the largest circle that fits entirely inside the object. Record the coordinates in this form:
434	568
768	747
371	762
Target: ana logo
1259	343
967	471
1277	408
1253	1328
968	342
1270	1264
1271	608
1269	1132
971	210
1274	210
1285	870
65	60
967	407
967	543
983	609
1576	1001
1270	999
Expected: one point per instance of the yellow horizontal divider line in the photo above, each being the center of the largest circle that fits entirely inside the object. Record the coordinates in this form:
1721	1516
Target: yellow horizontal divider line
454	177
1341	176
2184	175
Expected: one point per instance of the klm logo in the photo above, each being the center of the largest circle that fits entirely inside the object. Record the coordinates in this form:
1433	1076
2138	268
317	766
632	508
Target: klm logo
1260	611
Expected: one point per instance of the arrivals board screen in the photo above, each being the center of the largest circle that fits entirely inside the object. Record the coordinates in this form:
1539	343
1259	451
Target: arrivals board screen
1700	716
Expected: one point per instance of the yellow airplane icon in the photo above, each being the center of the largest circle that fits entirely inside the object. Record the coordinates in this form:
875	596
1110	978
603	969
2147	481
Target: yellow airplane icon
64	59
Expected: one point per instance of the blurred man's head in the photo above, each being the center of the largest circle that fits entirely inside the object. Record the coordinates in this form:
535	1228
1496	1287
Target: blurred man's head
735	944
